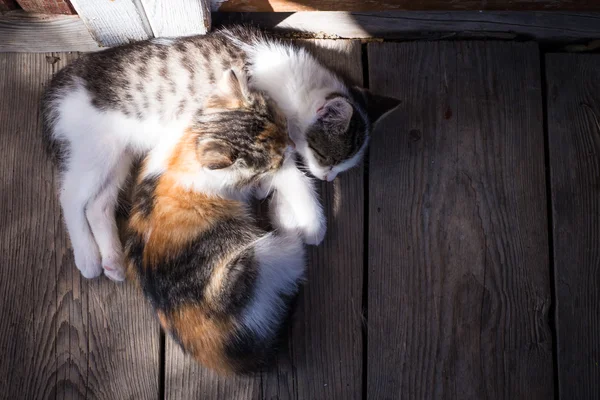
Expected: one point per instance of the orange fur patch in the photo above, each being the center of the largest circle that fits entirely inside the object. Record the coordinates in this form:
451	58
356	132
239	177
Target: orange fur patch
180	215
203	337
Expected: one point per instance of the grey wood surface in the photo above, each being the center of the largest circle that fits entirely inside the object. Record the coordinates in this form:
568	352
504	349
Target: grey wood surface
573	98
325	354
61	336
459	283
33	33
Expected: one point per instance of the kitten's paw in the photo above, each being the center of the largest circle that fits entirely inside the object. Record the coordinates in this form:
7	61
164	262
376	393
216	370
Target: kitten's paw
314	230
114	268
89	264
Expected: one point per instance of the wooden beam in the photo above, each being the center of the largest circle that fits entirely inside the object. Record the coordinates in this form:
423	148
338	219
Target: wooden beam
178	17
412	5
113	23
429	25
47	6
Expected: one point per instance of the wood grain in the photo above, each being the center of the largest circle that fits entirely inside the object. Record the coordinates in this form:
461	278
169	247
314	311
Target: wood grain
431	25
34	33
459	287
325	346
113	23
178	17
29	247
409	5
47	6
324	355
62	336
574	146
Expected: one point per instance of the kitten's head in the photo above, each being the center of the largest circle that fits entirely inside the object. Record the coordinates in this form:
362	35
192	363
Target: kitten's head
242	134
339	134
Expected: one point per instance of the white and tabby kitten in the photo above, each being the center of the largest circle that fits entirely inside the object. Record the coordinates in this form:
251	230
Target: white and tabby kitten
109	107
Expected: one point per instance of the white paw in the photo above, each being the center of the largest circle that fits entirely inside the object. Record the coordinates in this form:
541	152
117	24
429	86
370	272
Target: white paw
314	229
114	268
88	263
310	223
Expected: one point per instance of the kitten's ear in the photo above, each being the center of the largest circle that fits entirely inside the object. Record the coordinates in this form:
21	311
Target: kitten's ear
234	84
378	106
214	153
338	112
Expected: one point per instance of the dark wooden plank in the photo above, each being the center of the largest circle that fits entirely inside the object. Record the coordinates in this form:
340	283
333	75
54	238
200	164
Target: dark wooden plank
409	5
47	6
325	355
574	144
459	287
545	26
62	336
324	358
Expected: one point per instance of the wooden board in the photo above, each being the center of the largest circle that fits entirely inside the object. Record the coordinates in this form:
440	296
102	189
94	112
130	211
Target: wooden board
324	359
411	5
545	26
459	289
325	346
62	336
178	17
574	148
114	22
24	32
47	6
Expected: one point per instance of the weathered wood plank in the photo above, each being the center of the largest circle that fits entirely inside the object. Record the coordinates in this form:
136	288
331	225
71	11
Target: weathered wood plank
459	287
178	17
114	22
409	5
574	144
28	244
547	26
324	360
63	337
325	355
24	32
47	6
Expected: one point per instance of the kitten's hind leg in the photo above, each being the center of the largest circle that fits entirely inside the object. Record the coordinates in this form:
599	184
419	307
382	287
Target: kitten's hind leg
102	220
75	192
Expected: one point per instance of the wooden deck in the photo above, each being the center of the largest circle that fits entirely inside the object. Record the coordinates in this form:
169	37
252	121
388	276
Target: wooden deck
463	260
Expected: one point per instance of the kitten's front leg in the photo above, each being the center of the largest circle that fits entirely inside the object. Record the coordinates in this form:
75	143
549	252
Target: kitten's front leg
299	208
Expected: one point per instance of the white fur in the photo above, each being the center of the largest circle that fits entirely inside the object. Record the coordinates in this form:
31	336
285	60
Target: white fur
296	203
101	145
281	258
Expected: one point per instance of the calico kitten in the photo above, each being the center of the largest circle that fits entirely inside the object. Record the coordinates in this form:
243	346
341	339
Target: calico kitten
221	286
109	107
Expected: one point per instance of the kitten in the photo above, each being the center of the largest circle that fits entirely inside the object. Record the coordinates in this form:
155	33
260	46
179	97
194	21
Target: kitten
221	286
109	107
